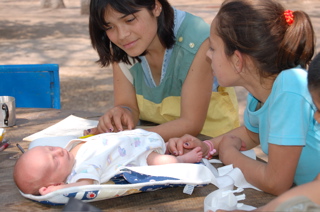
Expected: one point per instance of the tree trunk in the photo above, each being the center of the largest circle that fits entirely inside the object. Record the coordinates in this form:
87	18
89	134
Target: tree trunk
54	4
85	4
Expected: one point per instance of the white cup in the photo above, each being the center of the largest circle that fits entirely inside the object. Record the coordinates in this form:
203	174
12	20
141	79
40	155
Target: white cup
7	111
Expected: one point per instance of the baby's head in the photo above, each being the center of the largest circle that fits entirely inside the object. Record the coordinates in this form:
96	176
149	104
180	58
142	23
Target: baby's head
42	166
314	84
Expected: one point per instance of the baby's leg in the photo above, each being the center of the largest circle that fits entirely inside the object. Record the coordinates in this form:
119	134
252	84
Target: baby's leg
193	156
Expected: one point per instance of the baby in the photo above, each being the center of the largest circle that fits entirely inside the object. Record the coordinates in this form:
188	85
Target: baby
93	160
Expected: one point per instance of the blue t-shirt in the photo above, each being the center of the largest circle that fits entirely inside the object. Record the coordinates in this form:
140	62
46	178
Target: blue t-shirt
286	118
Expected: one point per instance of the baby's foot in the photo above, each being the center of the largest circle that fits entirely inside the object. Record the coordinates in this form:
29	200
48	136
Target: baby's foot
194	156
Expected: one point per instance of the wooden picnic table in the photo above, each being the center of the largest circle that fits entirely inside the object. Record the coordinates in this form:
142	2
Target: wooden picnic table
32	120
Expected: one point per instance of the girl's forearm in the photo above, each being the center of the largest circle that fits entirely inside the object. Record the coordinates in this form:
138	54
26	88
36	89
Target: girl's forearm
175	128
310	190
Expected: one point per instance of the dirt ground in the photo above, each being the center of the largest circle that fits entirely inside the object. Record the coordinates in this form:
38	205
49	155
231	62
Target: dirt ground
30	35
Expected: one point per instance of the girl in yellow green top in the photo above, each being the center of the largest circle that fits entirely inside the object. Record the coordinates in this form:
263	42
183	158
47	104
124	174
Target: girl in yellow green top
160	70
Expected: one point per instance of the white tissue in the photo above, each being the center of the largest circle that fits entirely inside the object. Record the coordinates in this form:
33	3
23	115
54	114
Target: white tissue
226	178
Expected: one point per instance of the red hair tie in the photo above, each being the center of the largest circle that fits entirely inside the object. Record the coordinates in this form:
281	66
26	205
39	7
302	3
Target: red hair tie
288	15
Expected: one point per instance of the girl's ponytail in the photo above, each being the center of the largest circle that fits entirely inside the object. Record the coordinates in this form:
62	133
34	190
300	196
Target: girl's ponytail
297	45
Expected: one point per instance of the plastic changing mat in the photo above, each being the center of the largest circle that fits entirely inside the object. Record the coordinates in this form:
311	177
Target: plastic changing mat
132	180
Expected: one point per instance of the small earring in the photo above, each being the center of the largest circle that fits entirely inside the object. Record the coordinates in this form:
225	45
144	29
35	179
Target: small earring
160	8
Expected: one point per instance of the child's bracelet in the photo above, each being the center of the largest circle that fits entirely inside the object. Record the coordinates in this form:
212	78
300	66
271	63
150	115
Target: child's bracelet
212	150
128	108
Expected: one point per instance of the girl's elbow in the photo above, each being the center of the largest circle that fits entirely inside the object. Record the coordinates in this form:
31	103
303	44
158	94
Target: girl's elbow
192	130
285	188
195	129
278	188
191	126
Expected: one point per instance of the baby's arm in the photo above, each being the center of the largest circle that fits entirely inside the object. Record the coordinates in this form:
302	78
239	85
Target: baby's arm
51	188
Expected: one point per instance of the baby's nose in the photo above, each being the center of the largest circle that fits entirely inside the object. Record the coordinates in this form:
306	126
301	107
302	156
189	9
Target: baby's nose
59	151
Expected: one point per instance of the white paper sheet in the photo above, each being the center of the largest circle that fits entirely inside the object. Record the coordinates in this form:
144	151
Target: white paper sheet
70	126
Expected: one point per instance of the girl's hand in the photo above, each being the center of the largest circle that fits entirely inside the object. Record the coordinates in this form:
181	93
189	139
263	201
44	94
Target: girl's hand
179	146
116	119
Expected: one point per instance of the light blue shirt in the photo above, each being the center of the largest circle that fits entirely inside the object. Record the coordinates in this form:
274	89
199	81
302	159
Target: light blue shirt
286	118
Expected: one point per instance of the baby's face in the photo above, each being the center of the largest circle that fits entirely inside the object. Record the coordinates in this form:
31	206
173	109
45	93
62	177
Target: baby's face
316	100
56	162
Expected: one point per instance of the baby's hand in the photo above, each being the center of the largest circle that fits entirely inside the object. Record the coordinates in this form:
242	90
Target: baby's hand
51	188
